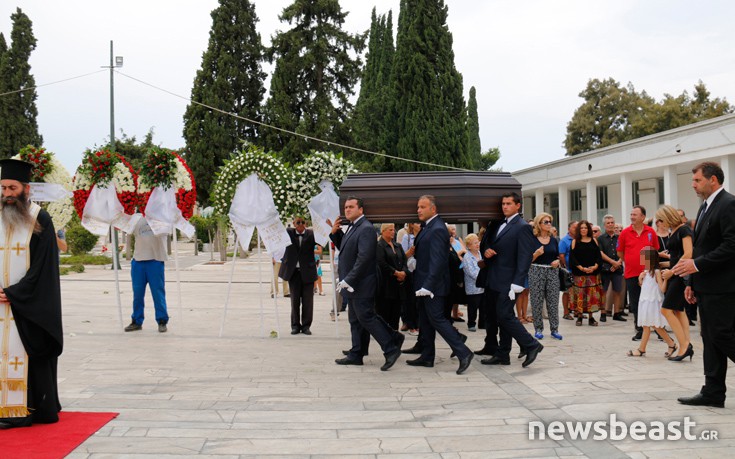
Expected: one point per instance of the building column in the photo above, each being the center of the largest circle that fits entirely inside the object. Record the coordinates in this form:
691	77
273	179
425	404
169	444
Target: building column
671	187
727	163
591	202
539	202
626	197
563	210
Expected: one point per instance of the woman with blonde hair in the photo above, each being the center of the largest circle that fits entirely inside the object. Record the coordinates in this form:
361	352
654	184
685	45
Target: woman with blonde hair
543	276
680	246
471	270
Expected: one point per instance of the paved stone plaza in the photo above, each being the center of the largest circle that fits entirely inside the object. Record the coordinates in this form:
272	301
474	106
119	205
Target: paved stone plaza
189	392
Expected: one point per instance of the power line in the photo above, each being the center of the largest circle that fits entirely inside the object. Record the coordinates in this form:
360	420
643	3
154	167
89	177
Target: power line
49	84
307	137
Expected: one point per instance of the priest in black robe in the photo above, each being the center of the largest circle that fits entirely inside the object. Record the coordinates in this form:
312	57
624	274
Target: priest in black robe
35	302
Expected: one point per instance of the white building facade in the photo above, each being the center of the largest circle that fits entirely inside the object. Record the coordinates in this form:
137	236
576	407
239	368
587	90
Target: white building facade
650	171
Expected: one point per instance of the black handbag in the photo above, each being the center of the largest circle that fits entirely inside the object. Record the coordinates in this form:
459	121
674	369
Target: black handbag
565	280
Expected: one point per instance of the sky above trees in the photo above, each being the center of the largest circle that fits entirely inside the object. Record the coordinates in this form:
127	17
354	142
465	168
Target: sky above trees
528	61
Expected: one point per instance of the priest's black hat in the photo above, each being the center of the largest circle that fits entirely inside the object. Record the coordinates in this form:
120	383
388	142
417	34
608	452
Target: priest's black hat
15	169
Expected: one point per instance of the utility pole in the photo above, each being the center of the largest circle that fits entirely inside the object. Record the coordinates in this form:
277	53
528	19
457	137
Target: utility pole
117	63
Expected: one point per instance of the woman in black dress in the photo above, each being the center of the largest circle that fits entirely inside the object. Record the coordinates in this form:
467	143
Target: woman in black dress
392	288
585	261
674	305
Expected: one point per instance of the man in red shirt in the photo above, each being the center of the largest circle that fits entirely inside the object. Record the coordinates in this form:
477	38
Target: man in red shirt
630	243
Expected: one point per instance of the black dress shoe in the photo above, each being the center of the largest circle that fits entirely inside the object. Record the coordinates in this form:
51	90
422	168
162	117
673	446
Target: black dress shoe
306	331
420	363
294	331
484	351
531	355
465	363
701	400
348	361
521	354
390	359
11	423
494	361
413	350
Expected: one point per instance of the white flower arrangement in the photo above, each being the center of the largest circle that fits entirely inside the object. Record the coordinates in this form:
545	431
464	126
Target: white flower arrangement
315	168
60	211
269	168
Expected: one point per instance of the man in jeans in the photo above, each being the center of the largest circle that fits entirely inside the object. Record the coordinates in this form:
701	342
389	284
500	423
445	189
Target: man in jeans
147	267
630	243
612	270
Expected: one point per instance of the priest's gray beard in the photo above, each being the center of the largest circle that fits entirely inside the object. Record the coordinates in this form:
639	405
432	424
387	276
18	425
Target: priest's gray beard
16	214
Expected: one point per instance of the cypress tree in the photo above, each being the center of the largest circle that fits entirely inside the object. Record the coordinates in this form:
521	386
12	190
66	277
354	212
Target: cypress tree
314	77
230	79
18	125
4	87
474	148
429	105
371	124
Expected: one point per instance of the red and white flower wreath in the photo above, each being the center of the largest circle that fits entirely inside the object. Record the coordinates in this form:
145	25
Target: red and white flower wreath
167	168
101	168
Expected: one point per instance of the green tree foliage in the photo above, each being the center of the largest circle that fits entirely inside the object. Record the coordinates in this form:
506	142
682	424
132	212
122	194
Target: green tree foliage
430	113
489	158
80	240
474	147
371	123
231	79
612	113
317	66
18	112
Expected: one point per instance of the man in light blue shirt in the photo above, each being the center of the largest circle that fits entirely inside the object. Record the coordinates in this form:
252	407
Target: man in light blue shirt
565	248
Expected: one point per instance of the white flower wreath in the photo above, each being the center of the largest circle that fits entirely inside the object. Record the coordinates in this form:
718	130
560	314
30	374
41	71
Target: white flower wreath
269	168
316	167
62	210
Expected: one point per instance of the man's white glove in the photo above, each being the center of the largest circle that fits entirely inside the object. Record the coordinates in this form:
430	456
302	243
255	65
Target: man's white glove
344	285
513	290
423	292
411	264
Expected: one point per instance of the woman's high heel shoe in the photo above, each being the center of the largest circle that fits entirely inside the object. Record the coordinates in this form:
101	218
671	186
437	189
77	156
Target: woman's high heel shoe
689	353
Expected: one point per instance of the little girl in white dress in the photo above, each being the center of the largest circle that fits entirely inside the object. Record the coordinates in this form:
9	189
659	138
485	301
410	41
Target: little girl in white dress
653	286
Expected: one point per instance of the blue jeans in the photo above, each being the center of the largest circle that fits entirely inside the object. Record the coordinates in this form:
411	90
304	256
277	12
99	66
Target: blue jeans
148	272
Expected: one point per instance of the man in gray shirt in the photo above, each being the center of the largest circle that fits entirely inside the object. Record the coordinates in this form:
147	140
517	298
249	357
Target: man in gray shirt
147	267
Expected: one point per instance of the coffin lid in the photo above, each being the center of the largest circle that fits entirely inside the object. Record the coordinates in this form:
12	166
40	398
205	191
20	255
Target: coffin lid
461	197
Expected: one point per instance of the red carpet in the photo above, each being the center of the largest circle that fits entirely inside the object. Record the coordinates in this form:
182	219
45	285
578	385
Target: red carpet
50	441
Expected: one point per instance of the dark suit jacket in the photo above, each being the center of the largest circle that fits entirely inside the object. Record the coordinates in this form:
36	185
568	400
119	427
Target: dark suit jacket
432	252
388	263
357	265
304	255
714	247
514	247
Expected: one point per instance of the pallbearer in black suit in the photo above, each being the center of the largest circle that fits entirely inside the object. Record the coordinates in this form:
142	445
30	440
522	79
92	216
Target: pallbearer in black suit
358	273
712	283
507	251
298	267
431	282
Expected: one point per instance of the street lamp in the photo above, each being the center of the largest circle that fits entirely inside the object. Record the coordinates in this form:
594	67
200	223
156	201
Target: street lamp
118	62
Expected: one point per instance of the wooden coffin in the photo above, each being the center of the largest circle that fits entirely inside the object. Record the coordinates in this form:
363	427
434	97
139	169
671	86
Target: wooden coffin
461	197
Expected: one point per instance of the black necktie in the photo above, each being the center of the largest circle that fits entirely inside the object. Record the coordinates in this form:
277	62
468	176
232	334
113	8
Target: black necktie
300	235
700	215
